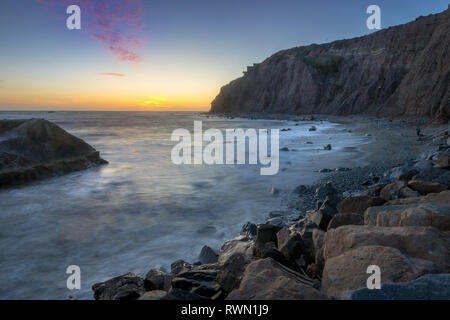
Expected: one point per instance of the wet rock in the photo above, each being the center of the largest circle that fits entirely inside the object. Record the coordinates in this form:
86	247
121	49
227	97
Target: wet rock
327	147
239	245
290	244
157	280
343	219
267	233
265	279
200	282
230	274
35	149
126	287
285	149
179	266
313	128
325	190
249	229
208	255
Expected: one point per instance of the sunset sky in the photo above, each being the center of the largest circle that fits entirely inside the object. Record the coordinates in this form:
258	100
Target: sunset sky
162	55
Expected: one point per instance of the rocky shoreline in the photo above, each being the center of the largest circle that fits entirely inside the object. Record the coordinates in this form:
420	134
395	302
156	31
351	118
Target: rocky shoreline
393	213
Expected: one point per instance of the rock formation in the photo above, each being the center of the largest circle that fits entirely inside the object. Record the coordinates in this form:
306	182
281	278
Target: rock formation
35	149
401	70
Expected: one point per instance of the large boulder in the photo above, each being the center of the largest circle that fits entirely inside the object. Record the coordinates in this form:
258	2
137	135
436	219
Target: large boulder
157	280
428	214
208	255
418	242
427	287
36	149
266	279
126	287
358	204
425	187
290	243
200	282
234	256
348	271
396	190
343	219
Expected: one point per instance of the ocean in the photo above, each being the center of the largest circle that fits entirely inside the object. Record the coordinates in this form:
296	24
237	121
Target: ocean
142	211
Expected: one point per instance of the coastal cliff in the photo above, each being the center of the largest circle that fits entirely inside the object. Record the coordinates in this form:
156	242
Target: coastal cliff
35	149
398	71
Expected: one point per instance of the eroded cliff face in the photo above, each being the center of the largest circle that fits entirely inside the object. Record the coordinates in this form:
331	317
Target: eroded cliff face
402	70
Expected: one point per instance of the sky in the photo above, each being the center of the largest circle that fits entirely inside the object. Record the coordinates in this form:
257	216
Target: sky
166	54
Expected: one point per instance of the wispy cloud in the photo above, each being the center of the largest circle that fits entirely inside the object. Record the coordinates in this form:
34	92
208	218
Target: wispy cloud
116	24
111	74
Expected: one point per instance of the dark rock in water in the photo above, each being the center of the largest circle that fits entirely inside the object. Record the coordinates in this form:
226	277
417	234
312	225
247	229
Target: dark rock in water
126	287
274	192
157	280
343	219
325	190
327	147
284	149
208	255
269	250
300	189
427	287
267	233
324	170
290	244
37	149
179	265
200	282
249	229
313	128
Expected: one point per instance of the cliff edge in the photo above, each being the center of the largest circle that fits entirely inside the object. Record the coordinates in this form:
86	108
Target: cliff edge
398	71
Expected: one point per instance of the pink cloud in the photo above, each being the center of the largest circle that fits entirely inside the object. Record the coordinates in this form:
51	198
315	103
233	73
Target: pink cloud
116	24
